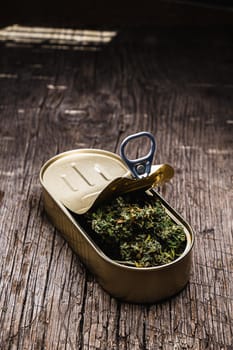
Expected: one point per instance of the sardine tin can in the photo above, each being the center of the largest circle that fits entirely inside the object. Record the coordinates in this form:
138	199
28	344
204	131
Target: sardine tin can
71	181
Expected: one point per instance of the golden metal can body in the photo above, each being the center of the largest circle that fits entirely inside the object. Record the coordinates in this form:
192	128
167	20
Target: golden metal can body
131	284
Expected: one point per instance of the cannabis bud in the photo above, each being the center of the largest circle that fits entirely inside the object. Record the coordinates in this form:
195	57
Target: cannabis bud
135	230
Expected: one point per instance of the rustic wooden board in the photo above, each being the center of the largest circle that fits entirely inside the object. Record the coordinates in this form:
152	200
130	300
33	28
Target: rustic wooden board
176	84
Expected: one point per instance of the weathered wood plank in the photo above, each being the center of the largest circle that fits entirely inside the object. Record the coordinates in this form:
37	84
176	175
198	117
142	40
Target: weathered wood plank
177	85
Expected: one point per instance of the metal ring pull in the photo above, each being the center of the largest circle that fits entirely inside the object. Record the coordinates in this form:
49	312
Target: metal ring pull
139	167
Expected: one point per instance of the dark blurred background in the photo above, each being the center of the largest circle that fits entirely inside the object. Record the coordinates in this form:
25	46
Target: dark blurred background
76	13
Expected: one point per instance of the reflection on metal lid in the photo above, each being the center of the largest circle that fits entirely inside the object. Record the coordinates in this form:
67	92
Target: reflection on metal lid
81	178
76	178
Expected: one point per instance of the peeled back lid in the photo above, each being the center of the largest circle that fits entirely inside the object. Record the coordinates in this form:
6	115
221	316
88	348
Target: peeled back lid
81	178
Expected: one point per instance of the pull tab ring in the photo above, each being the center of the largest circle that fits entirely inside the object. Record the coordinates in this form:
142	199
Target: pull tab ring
139	167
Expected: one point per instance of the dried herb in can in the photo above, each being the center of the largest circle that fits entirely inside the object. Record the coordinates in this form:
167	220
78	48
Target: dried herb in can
136	230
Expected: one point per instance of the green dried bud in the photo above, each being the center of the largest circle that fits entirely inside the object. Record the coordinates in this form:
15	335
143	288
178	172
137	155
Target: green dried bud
136	230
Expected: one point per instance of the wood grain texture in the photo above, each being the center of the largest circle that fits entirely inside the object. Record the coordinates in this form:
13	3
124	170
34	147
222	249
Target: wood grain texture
176	84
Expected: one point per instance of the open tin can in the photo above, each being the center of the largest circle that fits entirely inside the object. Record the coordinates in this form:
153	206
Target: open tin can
74	181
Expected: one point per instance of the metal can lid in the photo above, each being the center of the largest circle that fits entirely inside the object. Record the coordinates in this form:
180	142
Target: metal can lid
79	178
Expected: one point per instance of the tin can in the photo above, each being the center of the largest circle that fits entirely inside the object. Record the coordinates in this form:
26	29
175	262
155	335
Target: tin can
72	182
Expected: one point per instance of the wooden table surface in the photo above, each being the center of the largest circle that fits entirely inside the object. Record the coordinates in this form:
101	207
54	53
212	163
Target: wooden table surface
66	91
